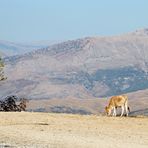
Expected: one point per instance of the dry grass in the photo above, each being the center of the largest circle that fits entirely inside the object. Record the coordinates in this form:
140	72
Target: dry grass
72	131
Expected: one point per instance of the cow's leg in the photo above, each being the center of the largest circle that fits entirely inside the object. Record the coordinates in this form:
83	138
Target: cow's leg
114	111
126	109
122	107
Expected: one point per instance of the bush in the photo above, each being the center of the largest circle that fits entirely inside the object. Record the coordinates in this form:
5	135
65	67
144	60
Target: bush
9	104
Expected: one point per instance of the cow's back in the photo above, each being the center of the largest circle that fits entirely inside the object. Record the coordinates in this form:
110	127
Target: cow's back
119	100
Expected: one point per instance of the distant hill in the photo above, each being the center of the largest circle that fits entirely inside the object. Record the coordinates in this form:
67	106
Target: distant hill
12	48
84	68
2	54
137	102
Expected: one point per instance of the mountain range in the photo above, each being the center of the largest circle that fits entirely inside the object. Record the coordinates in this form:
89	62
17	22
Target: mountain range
90	67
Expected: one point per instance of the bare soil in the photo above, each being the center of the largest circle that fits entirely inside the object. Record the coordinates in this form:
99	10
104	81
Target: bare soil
39	130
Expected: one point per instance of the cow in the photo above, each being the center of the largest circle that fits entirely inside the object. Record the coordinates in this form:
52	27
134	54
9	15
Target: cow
117	101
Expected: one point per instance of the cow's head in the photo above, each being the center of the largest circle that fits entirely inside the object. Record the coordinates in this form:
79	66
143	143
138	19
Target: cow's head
107	110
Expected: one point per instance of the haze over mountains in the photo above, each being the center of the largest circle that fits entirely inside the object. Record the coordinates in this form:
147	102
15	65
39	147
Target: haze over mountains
84	68
8	48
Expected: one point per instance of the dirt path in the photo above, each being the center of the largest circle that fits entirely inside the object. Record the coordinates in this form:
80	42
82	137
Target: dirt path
72	131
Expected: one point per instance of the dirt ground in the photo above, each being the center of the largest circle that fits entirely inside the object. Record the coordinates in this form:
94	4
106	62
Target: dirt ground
39	130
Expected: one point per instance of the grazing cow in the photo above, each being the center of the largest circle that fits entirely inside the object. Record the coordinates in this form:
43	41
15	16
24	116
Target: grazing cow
117	101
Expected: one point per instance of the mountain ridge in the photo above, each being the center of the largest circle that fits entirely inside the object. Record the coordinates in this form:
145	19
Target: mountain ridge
87	67
9	48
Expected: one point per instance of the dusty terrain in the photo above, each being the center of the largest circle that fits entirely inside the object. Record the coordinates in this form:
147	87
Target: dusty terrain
26	129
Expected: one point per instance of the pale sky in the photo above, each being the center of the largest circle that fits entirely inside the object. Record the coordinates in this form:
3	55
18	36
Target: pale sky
35	20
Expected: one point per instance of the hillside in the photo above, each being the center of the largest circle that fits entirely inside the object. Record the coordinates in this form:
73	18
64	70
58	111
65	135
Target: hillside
137	102
84	68
71	131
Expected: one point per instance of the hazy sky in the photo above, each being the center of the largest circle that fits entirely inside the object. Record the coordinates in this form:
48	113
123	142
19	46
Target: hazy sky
33	20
